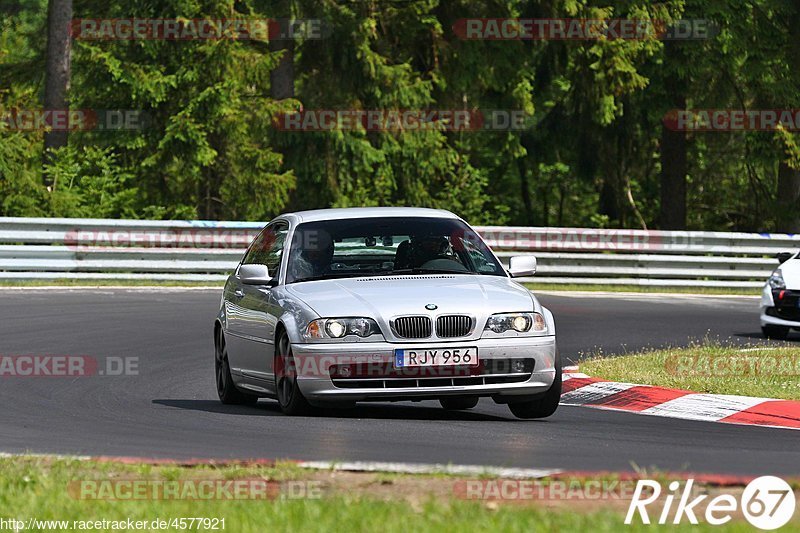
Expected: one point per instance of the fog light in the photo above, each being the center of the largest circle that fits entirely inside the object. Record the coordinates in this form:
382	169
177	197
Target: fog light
518	365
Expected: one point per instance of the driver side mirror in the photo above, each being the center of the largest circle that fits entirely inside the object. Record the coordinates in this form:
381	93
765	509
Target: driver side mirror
784	256
521	266
255	275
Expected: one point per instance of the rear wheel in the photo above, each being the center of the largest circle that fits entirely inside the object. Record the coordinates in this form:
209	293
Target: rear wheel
290	397
226	389
457	404
544	406
775	332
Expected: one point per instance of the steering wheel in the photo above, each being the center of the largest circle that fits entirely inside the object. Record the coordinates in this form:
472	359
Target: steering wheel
443	263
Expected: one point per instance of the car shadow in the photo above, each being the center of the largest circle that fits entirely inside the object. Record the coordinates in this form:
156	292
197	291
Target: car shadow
378	411
794	338
215	406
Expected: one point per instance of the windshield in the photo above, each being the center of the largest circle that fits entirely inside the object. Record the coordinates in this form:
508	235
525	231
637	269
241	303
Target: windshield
384	246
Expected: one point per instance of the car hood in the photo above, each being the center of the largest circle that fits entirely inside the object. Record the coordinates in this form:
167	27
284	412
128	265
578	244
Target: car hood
386	297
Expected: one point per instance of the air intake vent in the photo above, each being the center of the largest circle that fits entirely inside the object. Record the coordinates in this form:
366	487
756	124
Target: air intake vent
412	327
453	326
397	278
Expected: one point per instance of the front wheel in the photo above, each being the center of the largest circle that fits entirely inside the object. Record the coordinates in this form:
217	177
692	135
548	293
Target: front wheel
775	332
290	397
226	389
544	406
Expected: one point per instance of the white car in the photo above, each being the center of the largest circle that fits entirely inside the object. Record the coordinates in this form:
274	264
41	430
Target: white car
780	301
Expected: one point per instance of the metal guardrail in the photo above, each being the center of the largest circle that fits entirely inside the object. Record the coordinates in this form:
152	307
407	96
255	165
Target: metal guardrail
43	248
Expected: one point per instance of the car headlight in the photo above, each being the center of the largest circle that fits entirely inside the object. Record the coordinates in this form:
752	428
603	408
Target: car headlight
337	328
776	280
519	322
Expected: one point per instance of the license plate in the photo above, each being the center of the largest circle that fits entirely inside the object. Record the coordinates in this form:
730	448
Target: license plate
436	357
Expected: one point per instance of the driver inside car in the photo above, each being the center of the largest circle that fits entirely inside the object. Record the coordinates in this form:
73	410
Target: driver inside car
420	250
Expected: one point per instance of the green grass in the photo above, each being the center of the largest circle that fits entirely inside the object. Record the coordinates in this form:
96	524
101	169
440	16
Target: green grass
642	289
37	487
771	372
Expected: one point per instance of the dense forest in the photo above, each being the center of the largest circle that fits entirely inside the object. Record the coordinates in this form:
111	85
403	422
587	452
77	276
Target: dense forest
599	146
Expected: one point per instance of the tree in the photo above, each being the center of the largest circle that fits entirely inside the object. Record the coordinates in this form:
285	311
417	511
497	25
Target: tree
57	70
788	189
673	148
281	79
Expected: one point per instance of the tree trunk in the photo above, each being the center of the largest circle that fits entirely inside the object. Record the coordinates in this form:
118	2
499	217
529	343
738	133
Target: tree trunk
525	191
211	207
524	183
788	215
57	69
788	199
282	76
281	79
673	148
673	179
609	200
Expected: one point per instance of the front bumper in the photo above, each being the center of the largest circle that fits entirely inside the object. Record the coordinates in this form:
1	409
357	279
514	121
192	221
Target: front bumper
314	361
769	319
780	308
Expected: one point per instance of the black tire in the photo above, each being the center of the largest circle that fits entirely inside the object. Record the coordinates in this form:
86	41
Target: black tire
544	406
775	332
290	397
226	389
459	403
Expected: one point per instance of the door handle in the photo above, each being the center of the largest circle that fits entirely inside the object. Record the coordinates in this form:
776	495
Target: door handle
239	293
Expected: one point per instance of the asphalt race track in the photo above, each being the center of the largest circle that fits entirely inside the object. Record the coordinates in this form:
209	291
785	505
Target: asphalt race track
170	409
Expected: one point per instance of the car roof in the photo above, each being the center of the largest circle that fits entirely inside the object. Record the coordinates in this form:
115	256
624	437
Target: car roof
368	212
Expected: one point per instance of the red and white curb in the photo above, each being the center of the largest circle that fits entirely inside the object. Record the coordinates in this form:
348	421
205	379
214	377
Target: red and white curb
583	390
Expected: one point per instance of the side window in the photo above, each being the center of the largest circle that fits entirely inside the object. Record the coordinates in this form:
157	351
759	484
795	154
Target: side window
267	248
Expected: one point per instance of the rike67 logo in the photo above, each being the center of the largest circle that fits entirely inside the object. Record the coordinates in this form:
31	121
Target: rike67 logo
767	502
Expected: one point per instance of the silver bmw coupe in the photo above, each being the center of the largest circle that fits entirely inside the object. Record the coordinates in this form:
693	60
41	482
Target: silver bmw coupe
337	306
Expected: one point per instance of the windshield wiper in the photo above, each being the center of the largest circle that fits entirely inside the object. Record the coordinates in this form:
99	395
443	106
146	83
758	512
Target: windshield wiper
425	271
384	273
330	275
